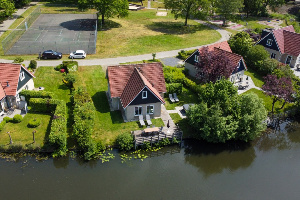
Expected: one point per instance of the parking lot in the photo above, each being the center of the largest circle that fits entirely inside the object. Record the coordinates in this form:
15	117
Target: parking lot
60	32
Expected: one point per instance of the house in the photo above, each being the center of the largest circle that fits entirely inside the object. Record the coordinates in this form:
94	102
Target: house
136	89
221	48
283	44
13	79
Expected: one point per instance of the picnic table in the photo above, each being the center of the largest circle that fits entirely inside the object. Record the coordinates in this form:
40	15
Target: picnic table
150	130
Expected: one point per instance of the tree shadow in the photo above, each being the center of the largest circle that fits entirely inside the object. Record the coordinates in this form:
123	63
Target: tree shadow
61	162
79	24
176	28
63	87
108	25
116	117
212	158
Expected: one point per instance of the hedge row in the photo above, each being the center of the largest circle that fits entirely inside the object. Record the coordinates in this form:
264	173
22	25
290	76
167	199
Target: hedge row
58	130
84	119
174	88
28	94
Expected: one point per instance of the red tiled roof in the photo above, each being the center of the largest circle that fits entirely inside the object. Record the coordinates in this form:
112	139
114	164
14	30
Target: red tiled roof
134	86
280	38
234	58
221	45
119	75
10	73
291	43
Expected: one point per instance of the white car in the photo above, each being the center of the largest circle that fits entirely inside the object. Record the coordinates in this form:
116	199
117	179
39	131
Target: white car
78	54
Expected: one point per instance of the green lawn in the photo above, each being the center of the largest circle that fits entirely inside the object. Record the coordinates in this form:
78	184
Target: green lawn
187	96
268	101
108	124
188	131
22	135
256	78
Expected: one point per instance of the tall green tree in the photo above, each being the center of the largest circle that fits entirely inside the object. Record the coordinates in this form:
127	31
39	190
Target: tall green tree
107	8
7	8
240	43
187	9
228	8
259	7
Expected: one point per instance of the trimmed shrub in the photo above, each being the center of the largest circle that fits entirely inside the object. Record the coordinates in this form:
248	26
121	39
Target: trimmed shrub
7	119
43	105
70	66
28	94
34	123
2	124
17	118
33	64
18	60
59	67
125	141
174	88
173	74
69	79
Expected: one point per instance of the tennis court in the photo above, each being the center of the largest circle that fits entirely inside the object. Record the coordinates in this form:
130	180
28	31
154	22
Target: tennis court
59	32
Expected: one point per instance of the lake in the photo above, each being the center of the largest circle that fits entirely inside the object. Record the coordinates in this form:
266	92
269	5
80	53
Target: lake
267	168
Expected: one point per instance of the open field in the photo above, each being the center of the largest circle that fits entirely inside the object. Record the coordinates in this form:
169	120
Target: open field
22	135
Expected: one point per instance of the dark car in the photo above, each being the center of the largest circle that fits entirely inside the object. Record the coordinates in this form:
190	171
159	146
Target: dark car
50	54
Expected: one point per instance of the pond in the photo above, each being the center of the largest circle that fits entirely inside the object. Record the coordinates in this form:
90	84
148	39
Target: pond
267	168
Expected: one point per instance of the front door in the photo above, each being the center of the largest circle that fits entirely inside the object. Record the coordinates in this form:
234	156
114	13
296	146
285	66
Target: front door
288	60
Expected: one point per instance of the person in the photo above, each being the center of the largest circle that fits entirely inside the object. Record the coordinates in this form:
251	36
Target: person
141	2
40	54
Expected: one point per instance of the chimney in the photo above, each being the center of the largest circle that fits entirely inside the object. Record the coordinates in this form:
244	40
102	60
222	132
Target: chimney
7	85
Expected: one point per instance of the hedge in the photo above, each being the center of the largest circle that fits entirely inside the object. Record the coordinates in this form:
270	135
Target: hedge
174	88
58	130
28	94
70	66
84	119
192	85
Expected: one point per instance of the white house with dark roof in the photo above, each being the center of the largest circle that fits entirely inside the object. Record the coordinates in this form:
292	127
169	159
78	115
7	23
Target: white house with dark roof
13	79
136	89
283	44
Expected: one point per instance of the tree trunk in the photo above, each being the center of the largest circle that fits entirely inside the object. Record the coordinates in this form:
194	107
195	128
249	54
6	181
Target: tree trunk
186	18
33	136
102	19
224	21
11	142
274	101
283	105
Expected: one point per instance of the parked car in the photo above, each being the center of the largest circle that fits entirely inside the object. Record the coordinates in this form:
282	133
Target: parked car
50	54
78	54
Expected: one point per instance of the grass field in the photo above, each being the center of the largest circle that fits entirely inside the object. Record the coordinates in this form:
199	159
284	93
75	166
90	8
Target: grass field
22	135
268	101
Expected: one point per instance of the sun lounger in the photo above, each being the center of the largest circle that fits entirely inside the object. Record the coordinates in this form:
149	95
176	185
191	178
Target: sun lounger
175	97
148	120
171	98
141	120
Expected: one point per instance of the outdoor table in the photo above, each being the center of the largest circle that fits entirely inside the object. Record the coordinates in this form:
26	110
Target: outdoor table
150	130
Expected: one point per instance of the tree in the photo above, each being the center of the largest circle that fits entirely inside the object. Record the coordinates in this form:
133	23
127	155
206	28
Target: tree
278	89
256	56
223	115
21	3
240	43
228	8
7	8
107	8
259	7
187	8
213	65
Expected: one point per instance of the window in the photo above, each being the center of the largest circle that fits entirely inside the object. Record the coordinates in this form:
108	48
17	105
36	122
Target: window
269	42
144	95
137	110
288	60
273	55
150	109
22	76
196	58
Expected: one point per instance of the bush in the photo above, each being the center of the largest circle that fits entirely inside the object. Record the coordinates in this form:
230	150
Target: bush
2	124
256	57
70	66
192	85
69	79
28	94
174	88
183	55
18	60
34	123
33	64
59	67
173	74
17	118
7	119
125	141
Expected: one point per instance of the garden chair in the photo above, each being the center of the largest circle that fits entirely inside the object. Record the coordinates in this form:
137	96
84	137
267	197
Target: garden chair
175	97
141	120
171	98
148	120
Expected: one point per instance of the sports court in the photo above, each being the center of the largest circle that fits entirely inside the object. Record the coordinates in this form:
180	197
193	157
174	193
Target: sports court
60	32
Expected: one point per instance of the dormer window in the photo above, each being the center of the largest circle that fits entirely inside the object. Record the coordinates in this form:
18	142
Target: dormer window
22	76
144	95
269	42
196	58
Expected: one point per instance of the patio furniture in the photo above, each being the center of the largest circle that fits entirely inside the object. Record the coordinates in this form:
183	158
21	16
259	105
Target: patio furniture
175	97
171	98
151	130
148	120
141	120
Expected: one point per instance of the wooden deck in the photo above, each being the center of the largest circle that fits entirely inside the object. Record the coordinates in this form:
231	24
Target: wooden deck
140	139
